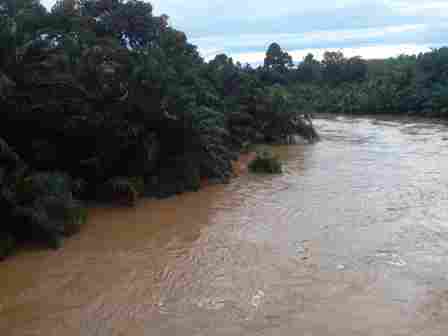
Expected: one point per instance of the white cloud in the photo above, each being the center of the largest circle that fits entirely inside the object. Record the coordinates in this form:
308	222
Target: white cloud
246	8
262	40
429	4
421	7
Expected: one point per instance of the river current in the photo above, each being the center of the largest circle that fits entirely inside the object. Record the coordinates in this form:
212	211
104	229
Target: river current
351	240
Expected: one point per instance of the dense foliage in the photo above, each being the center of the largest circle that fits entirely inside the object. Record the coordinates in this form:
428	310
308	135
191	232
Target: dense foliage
265	163
102	100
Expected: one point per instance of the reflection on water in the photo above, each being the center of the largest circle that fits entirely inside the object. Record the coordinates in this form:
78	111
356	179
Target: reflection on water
351	240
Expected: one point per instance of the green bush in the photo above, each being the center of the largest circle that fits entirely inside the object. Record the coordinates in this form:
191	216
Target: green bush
7	245
266	163
120	190
75	217
35	206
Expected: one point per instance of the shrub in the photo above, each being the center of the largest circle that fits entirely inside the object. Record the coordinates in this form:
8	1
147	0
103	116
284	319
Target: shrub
266	162
7	244
120	190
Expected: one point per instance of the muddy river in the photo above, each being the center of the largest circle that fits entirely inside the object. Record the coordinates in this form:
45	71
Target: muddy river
351	240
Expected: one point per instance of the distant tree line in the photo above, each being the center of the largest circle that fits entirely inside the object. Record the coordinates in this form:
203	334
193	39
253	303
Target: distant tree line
413	85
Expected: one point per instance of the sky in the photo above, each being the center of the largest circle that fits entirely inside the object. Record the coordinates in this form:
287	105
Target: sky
243	29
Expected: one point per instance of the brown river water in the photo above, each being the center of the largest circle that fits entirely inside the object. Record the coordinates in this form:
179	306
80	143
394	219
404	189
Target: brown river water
351	240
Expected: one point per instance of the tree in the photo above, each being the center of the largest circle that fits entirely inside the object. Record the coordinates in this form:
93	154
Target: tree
20	22
433	66
225	75
66	7
355	69
277	59
309	70
132	22
333	66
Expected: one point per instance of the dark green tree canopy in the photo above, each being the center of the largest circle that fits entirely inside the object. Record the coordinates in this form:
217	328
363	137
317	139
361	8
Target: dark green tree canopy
333	66
277	59
309	70
337	69
130	21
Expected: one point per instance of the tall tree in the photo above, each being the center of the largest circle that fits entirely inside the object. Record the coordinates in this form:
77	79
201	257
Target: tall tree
333	66
309	70
355	69
130	21
277	59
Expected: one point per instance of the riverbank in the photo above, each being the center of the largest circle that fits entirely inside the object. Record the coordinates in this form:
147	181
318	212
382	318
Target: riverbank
52	232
